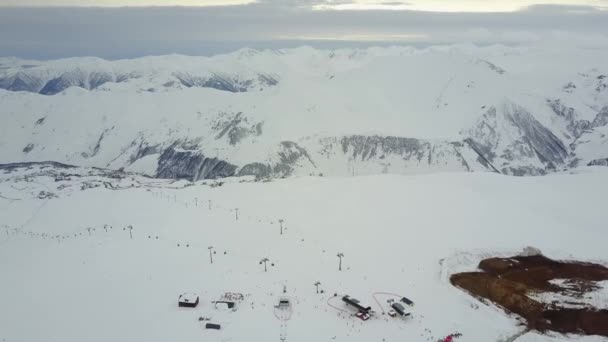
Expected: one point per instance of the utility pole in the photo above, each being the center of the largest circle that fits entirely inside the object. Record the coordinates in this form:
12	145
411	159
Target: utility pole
265	260
210	248
130	228
340	256
281	223
317	286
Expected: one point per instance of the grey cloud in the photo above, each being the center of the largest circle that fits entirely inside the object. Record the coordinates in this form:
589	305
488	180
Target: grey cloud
130	32
301	3
561	9
395	3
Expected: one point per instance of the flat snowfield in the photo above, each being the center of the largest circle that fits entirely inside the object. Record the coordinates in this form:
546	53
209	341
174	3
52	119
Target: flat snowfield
398	234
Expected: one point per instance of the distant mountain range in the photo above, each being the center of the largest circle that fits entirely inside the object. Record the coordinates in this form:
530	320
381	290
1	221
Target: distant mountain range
276	113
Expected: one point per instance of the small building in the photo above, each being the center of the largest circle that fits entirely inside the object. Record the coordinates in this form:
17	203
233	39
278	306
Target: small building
356	304
284	303
187	300
213	326
407	301
400	310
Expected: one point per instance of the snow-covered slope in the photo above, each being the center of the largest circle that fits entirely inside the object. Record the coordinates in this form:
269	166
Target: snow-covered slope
71	270
305	111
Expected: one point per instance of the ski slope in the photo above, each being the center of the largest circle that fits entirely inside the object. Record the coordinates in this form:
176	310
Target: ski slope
399	234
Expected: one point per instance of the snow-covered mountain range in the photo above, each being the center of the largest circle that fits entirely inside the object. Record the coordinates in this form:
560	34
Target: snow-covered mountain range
272	113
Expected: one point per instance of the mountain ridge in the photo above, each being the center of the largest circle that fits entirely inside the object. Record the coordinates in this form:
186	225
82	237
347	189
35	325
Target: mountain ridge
305	111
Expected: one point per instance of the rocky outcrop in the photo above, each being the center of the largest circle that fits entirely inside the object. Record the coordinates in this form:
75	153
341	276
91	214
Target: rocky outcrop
390	154
598	162
144	149
601	119
225	82
95	149
28	148
589	148
236	127
548	148
291	155
602	83
366	147
574	126
492	66
177	163
482	152
258	170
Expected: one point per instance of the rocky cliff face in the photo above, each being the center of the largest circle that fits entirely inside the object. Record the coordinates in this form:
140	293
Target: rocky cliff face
598	162
225	82
591	147
368	147
601	119
325	156
177	163
390	154
235	127
570	118
515	143
289	158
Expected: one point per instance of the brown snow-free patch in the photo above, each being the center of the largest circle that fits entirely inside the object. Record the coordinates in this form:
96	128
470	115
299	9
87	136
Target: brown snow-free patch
509	282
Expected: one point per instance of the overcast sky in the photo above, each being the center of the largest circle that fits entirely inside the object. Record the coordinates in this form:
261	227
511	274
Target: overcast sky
214	26
423	5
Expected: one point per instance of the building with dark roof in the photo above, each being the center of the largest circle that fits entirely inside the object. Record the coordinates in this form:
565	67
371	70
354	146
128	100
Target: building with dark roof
356	304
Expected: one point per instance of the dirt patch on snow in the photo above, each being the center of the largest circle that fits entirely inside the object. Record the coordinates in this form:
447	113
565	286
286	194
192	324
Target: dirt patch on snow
550	295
